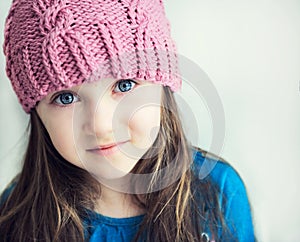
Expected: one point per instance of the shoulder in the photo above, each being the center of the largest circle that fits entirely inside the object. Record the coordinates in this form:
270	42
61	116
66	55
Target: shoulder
208	166
233	198
7	191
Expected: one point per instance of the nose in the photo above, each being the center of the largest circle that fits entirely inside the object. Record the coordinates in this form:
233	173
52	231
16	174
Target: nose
97	115
103	118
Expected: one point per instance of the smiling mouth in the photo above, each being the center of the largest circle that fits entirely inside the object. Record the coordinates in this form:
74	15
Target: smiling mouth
108	149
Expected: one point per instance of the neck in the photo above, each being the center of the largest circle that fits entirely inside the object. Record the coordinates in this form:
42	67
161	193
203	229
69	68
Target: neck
116	204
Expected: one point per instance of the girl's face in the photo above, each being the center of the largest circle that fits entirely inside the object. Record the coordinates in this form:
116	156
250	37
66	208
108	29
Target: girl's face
104	127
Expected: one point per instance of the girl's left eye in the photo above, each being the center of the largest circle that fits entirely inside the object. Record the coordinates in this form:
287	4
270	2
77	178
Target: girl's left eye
65	98
124	85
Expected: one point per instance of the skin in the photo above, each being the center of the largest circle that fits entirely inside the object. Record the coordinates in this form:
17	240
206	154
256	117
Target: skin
104	127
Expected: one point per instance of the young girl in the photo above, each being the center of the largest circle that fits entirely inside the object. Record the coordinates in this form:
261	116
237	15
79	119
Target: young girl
107	159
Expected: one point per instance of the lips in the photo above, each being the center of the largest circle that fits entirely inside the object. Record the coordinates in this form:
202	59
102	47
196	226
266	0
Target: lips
106	149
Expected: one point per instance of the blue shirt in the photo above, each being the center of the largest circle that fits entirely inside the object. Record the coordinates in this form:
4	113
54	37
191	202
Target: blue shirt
236	210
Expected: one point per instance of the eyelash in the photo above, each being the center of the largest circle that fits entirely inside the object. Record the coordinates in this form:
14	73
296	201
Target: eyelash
57	96
116	85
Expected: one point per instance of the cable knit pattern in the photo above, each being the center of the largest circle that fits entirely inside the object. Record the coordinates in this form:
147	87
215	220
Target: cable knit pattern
55	44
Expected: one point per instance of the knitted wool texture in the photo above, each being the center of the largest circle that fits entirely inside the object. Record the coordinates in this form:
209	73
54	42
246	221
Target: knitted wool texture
55	44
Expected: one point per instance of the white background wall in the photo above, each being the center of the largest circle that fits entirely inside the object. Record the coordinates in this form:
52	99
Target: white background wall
251	52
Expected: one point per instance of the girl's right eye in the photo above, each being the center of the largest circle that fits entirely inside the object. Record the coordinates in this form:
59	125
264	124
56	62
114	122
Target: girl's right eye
65	98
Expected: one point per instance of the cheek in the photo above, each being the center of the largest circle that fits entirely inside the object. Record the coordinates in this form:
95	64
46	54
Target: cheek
61	135
144	126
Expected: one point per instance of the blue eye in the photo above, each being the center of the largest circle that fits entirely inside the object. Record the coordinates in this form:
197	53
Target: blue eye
124	85
65	98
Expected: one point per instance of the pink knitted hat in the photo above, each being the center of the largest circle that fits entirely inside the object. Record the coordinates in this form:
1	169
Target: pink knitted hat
55	44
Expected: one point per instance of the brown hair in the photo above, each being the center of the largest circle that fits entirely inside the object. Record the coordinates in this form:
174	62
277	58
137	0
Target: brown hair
51	196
